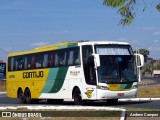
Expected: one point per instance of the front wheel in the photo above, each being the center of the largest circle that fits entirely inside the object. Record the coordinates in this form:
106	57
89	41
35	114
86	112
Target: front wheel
77	96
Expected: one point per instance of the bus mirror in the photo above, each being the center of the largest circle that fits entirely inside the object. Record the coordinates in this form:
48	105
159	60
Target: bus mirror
97	60
139	60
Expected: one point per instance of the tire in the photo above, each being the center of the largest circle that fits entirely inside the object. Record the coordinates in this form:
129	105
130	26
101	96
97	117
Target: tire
55	101
28	96
112	101
77	97
20	96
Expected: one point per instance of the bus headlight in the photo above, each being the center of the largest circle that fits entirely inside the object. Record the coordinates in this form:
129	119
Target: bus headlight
134	86
102	87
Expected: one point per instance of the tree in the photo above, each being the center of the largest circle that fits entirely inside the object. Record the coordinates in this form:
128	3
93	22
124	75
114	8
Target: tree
145	53
127	9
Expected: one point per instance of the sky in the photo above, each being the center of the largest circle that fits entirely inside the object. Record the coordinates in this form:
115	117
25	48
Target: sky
27	24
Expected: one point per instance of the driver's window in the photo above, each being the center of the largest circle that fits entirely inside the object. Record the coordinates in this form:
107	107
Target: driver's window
88	65
86	52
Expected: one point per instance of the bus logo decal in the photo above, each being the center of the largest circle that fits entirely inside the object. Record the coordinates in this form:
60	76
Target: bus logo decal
89	93
33	74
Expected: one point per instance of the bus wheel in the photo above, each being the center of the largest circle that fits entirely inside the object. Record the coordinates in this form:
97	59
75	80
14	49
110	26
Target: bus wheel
77	97
28	96
112	101
21	97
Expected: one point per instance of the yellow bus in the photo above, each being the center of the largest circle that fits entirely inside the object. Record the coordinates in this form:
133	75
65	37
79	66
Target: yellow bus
82	71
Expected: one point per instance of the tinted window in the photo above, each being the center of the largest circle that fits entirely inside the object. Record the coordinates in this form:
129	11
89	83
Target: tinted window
63	57
73	56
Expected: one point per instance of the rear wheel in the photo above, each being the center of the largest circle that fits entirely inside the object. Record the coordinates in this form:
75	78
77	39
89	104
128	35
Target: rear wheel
21	97
112	101
28	98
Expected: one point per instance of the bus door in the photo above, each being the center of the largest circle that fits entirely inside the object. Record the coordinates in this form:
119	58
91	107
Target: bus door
89	73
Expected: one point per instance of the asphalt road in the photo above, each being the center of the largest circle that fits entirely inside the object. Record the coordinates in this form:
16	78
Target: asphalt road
5	101
146	81
150	81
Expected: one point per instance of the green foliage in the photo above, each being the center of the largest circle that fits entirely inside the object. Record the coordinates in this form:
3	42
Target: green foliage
157	67
158	7
126	8
114	3
145	53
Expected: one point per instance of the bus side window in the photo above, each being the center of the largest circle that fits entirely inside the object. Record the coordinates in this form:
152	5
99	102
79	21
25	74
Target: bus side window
20	63
51	60
76	57
61	58
45	60
25	62
38	60
33	62
70	57
11	64
56	59
29	59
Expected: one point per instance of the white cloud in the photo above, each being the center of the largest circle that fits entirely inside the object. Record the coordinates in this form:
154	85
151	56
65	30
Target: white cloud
62	33
39	44
157	33
155	41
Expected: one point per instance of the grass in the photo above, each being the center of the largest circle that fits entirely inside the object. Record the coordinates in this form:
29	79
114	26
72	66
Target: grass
69	115
149	92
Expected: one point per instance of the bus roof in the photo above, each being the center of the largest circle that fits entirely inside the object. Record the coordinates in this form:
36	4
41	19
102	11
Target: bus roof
104	42
65	44
44	48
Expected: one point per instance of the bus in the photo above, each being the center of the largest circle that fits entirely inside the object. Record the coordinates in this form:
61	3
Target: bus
80	71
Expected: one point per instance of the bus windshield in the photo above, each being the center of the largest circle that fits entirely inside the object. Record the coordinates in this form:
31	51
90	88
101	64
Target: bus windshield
117	64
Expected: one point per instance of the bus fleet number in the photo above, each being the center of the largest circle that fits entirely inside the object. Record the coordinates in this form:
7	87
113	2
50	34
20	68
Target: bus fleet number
11	76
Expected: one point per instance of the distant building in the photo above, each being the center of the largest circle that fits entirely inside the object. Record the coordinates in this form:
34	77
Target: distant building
2	70
1	61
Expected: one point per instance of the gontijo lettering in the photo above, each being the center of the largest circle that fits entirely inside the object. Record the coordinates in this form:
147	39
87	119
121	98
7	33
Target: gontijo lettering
34	74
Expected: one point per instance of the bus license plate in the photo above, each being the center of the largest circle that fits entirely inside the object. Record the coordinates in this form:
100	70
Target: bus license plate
120	94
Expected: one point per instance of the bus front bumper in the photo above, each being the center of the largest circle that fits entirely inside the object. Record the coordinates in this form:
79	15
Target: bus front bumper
107	94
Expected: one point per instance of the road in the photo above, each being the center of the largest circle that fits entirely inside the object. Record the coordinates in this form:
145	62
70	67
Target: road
150	81
5	101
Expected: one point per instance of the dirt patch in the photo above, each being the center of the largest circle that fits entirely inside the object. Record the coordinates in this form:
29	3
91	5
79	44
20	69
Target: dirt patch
149	91
2	86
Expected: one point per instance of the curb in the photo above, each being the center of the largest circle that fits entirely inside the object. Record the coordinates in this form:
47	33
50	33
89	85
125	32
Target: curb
140	99
3	92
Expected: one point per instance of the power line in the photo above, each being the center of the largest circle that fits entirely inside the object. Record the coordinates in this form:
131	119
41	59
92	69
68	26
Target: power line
4	51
